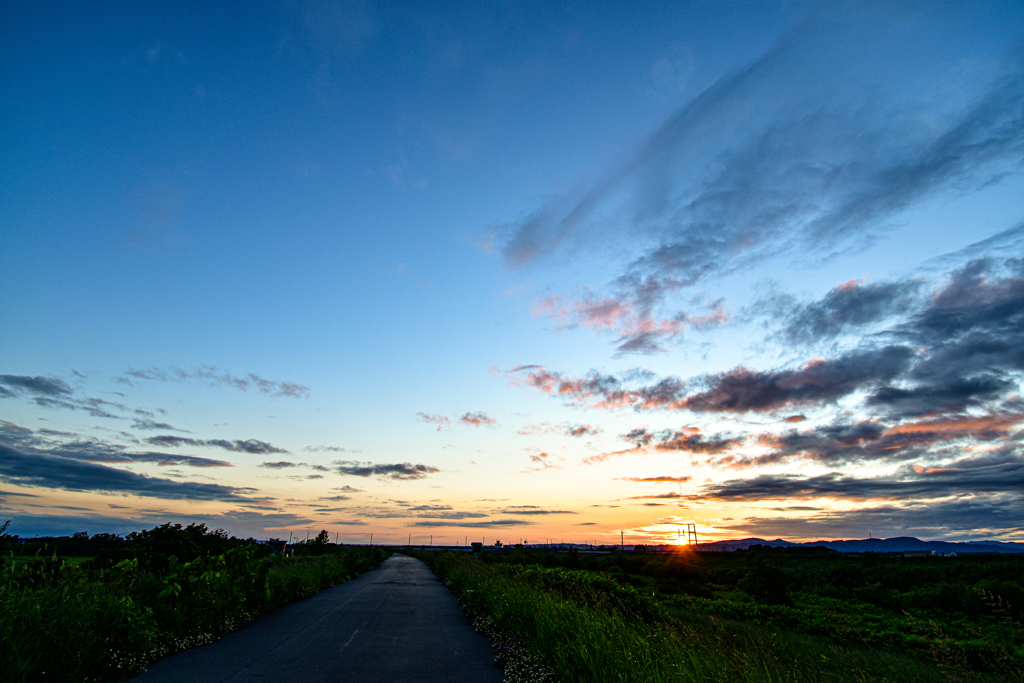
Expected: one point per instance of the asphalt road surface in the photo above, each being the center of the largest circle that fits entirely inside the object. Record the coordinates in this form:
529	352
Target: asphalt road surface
397	623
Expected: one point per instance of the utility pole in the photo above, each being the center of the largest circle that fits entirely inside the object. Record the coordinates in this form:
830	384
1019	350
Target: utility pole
371	538
622	541
410	540
431	539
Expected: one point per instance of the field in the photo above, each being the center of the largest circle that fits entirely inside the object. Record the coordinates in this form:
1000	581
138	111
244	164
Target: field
105	616
759	615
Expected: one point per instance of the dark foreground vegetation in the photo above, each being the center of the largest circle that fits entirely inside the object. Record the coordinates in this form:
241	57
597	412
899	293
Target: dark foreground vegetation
101	608
757	615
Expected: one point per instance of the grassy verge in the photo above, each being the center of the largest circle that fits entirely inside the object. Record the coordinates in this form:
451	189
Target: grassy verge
64	620
590	627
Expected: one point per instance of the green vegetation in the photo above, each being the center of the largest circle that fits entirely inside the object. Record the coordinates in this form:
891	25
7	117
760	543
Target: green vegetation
758	615
153	593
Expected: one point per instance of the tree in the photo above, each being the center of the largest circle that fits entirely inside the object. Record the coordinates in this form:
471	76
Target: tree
6	541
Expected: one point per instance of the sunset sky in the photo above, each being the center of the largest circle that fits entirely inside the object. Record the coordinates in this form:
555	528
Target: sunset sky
513	270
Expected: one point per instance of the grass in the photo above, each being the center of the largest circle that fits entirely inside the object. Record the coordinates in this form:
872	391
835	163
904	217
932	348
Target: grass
63	619
589	626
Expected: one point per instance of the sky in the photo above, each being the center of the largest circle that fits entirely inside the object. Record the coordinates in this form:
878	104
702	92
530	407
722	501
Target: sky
513	271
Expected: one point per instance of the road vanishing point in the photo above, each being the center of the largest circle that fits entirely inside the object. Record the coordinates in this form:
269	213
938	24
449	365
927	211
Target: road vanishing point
396	623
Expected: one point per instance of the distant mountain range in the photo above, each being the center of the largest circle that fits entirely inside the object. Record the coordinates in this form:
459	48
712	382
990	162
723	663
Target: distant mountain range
899	544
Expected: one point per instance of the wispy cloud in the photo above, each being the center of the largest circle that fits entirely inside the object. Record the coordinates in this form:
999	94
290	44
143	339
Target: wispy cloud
568	429
237	446
12	385
211	375
477	419
532	510
499	523
601	390
441	421
806	148
403	470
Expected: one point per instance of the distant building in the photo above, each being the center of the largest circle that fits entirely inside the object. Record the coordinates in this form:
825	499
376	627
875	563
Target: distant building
277	545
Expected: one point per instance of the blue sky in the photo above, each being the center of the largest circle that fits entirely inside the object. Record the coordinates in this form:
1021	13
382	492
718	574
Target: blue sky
513	269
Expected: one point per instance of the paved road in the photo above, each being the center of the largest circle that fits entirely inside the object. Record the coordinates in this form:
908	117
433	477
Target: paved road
397	623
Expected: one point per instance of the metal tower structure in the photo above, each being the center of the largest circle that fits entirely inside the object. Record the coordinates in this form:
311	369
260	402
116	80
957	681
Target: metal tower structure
691	534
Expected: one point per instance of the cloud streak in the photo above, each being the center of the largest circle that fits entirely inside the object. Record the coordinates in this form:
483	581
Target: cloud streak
253	446
400	471
209	374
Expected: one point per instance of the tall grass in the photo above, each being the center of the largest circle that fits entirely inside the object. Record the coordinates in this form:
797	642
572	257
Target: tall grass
590	628
64	621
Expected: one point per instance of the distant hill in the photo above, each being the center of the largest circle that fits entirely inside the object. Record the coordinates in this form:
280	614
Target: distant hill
899	544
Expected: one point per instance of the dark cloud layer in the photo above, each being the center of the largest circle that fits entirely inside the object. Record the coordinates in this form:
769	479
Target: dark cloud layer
980	475
818	382
968	518
52	471
77	447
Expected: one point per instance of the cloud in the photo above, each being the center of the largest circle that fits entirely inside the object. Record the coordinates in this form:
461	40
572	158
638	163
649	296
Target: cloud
631	322
241	523
809	149
42	386
52	471
532	510
397	471
486	524
878	440
968	518
74	446
690	440
565	428
441	421
818	381
678	480
600	390
657	496
452	515
850	307
253	446
95	407
978	475
944	375
151	426
326	449
477	419
210	375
